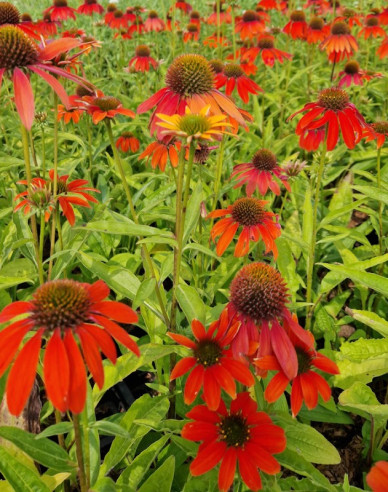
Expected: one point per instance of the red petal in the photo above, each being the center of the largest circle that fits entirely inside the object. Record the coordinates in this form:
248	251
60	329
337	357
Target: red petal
198	329
10	339
199	431
116	310
104	341
239	371
325	364
209	455
182	340
56	372
54	83
56	47
14	309
211	389
296	397
248	471
227	469
309	390
118	333
77	386
183	366
92	356
24	98
284	351
202	413
276	387
262	459
98	291
22	375
193	384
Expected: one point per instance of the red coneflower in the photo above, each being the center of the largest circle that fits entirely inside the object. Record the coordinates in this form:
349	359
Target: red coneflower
73	113
153	23
162	151
101	106
191	33
371	28
269	5
90	7
142	60
258	297
68	194
18	54
118	20
307	385
137	27
297	25
383	17
349	16
185	6
195	18
241	435
190	82
340	43
225	15
214	41
353	74
60	11
127	141
210	363
382	50
74	32
260	173
317	31
377	477
335	112
250	25
10	15
233	76
256	223
110	9
61	311
47	27
269	54
376	131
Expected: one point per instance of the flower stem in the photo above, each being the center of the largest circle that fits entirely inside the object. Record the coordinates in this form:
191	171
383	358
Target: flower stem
34	228
381	248
311	253
55	185
79	453
220	161
234	33
43	154
41	236
136	219
90	155
332	70
218	8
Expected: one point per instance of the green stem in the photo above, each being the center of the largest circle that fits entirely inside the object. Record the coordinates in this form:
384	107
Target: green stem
332	70
79	453
55	185
90	154
86	446
234	33
218	7
220	162
43	154
34	228
41	236
311	254
381	248
135	218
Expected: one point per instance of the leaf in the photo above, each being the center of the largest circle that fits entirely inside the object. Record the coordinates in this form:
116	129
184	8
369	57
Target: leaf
191	303
370	280
107	428
55	430
53	481
161	479
307	226
370	319
146	288
134	473
44	451
361	400
308	442
21	478
193	211
373	192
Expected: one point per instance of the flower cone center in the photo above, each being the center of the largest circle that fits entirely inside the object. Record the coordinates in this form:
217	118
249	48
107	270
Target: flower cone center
352	67
208	353
234	430
60	3
195	15
142	50
90	2
233	70
304	360
111	7
265	43
192	27
298	16
189	75
40	197
153	14
340	28
106	103
248	211
316	23
347	13
118	14
259	291
380	126
127	134
24	18
217	65
16	49
60	304
193	124
9	14
264	160
82	91
334	99
372	22
249	16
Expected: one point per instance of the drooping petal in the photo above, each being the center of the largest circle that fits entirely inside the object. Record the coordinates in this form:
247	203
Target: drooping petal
10	339
118	333
296	397
77	386
239	371
276	387
284	351
248	471
24	98
209	455
227	469
193	384
116	310
14	309
55	84
183	366
104	341
92	356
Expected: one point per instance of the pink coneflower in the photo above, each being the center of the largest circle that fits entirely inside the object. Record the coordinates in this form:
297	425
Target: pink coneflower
153	23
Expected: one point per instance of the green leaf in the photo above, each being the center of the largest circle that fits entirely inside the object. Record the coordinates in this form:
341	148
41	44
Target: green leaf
146	288
370	319
361	400
44	451
307	226
191	303
53	481
161	479
21	478
370	280
107	428
193	211
134	473
55	430
373	192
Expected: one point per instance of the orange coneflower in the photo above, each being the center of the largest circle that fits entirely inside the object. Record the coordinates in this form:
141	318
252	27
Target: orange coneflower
39	195
297	25
371	28
377	477
241	435
269	54
258	299
340	43
60	11
191	33
90	7
214	41
307	385
250	25
349	16
62	311
162	151
190	82
153	23
256	223
317	30
225	15
335	112
233	76
74	32
376	131
102	106
127	141
73	113
210	364
142	60
260	173
19	54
